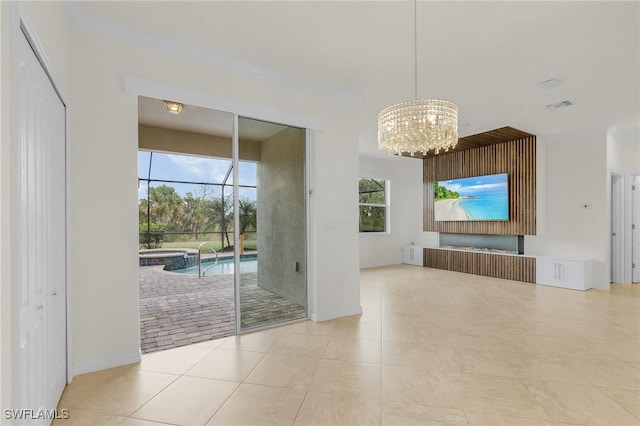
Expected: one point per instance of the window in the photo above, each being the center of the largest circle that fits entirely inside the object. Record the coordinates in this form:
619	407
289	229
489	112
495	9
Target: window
374	205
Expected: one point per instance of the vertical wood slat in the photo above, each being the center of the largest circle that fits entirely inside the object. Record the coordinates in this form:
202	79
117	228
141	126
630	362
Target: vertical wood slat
517	268
517	158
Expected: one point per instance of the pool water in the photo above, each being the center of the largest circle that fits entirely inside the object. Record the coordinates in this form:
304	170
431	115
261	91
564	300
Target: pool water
224	266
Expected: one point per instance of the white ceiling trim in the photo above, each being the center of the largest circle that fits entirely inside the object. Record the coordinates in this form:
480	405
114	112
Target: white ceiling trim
80	20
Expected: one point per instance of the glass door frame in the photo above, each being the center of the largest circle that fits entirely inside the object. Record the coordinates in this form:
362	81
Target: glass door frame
236	229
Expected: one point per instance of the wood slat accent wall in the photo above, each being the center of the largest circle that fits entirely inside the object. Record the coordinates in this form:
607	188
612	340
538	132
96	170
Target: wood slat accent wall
517	158
517	268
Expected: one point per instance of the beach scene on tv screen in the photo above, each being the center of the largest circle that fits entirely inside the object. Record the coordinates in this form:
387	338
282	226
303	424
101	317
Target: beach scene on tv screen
473	198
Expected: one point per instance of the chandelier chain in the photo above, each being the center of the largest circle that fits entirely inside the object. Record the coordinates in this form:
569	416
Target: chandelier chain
418	125
415	49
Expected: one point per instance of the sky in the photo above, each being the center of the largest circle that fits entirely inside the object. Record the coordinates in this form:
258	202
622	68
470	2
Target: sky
193	169
477	185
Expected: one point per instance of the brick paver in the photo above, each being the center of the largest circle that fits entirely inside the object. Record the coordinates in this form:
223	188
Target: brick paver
180	309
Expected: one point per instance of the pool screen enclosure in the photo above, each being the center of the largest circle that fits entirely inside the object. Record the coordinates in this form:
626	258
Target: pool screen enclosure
241	192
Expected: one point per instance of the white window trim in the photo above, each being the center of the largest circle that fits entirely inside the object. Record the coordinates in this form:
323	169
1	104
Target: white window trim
386	205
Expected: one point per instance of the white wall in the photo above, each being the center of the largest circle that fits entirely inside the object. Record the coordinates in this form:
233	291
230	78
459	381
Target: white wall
576	174
623	152
104	208
49	29
405	176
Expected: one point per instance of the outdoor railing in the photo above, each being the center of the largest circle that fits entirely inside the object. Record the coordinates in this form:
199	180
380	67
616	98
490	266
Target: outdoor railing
200	247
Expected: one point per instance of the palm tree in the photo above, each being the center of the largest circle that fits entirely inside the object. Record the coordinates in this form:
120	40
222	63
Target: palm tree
219	212
165	204
194	214
248	213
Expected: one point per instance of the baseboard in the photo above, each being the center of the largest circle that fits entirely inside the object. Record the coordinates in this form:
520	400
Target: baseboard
326	316
90	367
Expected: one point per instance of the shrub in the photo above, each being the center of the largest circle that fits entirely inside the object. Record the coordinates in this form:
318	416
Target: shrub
151	236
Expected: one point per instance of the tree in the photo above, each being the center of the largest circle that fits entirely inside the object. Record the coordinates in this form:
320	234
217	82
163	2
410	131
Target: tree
194	215
159	212
442	193
248	214
219	211
372	199
372	219
371	191
165	204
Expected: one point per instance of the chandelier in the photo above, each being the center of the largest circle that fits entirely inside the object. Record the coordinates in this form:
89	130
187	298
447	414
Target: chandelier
418	125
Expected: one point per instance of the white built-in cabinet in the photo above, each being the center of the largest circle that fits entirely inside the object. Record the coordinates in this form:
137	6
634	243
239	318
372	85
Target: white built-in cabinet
413	255
574	274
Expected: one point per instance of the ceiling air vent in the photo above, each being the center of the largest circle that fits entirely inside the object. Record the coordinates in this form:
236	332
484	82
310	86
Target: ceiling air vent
549	84
559	105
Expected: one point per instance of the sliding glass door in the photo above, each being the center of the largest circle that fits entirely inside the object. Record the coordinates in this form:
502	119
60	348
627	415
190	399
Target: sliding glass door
271	260
221	214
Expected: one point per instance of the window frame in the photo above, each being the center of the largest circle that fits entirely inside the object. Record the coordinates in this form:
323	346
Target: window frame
386	206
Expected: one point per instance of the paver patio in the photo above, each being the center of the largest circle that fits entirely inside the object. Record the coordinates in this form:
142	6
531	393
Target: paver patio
181	309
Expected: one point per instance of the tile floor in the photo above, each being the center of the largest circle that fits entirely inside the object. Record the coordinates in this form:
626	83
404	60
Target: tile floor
432	347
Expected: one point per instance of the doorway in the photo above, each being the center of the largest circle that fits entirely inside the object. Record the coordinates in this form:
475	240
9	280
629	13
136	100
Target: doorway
221	222
617	232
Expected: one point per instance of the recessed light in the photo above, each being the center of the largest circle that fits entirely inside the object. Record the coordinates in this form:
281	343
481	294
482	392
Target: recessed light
173	107
549	84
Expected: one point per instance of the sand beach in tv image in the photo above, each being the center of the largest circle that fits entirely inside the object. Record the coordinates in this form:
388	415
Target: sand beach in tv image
473	198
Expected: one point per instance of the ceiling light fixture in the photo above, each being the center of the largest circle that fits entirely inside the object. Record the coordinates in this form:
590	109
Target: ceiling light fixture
418	125
173	107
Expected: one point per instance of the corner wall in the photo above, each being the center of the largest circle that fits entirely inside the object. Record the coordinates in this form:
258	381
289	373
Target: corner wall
576	175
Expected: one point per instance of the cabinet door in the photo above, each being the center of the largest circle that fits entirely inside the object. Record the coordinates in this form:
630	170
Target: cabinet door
417	256
546	272
571	275
412	255
406	254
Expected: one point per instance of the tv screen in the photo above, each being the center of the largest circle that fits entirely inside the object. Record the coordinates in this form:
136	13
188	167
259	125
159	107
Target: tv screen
473	198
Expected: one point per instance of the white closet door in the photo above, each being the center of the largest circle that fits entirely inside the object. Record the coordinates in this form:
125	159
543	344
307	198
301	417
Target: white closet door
40	236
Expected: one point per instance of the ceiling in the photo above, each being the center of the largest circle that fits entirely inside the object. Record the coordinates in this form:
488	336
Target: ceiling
153	112
487	57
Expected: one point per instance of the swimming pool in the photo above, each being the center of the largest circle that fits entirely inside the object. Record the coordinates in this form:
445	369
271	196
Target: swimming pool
224	266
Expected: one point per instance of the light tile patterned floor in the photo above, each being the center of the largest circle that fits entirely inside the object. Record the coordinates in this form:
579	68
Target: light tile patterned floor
432	347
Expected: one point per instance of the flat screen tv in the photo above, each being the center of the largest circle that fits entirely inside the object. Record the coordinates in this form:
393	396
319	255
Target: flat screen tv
474	198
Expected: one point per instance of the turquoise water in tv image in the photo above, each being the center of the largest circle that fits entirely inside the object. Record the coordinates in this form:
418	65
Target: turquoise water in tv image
486	207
